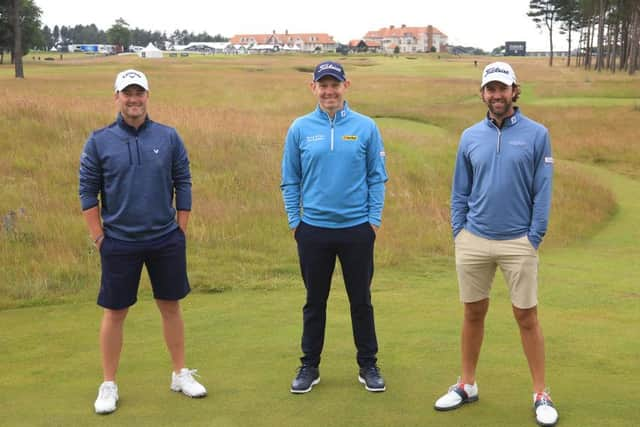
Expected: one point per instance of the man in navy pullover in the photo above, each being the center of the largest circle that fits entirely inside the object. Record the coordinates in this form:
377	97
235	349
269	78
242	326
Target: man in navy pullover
130	172
333	182
500	204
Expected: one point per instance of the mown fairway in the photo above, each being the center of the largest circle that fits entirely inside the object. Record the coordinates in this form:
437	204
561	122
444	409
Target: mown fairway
243	320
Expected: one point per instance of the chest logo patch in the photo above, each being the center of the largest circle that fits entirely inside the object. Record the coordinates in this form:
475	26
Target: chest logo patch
315	138
518	143
350	137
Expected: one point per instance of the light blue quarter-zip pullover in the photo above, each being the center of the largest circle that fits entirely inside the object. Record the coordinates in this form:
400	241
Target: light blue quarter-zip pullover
333	170
502	180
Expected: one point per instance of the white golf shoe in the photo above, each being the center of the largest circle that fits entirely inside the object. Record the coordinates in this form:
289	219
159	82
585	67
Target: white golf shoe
185	383
107	398
458	395
546	413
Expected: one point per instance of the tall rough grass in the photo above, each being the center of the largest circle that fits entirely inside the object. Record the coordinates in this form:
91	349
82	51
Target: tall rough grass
233	114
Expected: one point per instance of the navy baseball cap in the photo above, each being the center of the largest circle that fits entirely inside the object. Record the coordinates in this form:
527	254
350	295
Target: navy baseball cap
329	68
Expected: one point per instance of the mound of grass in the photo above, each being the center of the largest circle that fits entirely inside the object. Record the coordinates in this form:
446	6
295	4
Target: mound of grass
304	69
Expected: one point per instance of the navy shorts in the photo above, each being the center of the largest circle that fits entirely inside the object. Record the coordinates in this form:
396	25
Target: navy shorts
166	262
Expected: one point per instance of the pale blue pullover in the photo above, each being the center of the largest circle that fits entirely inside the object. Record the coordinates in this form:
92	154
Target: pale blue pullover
502	180
136	173
333	170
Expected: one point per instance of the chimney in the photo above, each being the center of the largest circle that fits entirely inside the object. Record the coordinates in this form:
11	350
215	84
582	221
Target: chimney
391	27
404	26
286	32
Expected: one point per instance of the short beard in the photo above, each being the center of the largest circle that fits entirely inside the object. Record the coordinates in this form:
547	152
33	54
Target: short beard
507	108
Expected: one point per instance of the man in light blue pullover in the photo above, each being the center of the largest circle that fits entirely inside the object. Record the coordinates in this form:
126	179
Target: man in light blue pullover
333	182
130	172
500	204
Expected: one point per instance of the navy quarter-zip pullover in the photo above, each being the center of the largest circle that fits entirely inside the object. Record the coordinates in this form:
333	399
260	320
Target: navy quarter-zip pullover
135	173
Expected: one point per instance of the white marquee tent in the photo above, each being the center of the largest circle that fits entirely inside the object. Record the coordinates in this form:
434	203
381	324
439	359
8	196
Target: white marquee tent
150	52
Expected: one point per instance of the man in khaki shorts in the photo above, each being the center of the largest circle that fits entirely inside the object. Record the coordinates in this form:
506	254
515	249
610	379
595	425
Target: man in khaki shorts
500	204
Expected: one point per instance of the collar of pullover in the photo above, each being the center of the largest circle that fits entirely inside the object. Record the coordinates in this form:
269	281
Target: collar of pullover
130	129
507	122
340	114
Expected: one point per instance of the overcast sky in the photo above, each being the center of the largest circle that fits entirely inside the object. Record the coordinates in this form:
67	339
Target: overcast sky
480	23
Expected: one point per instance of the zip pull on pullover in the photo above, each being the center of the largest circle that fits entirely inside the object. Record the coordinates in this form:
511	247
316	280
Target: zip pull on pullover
133	131
499	128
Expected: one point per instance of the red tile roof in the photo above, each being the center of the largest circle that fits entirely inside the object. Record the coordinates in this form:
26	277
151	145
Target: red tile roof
369	43
287	38
394	31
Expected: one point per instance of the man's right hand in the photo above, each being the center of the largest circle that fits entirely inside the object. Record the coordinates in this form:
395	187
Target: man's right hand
98	242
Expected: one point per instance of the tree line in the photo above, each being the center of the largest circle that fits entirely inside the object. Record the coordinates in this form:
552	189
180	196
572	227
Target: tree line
33	35
119	34
606	32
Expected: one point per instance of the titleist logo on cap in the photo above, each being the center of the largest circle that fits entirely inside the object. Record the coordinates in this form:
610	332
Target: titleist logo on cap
496	70
323	67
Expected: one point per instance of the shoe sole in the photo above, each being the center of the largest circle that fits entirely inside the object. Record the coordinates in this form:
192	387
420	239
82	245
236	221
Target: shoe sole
375	390
197	396
451	408
314	382
107	412
545	424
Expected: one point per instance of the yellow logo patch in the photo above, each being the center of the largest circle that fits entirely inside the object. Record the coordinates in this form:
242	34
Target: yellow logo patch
350	138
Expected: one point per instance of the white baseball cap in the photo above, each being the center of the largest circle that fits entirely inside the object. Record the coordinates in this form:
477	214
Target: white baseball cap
498	72
131	77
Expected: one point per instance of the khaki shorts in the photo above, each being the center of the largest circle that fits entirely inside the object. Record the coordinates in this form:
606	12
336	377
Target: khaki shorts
476	262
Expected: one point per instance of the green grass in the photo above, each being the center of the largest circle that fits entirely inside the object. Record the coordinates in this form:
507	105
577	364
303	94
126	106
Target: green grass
582	101
233	114
244	318
245	344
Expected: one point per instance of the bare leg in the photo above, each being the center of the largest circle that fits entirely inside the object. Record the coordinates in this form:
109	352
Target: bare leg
472	335
532	343
173	328
111	332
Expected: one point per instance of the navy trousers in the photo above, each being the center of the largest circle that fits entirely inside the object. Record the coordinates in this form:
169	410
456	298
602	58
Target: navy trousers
318	248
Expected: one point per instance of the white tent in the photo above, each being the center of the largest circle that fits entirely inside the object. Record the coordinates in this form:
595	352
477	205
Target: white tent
150	52
294	48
